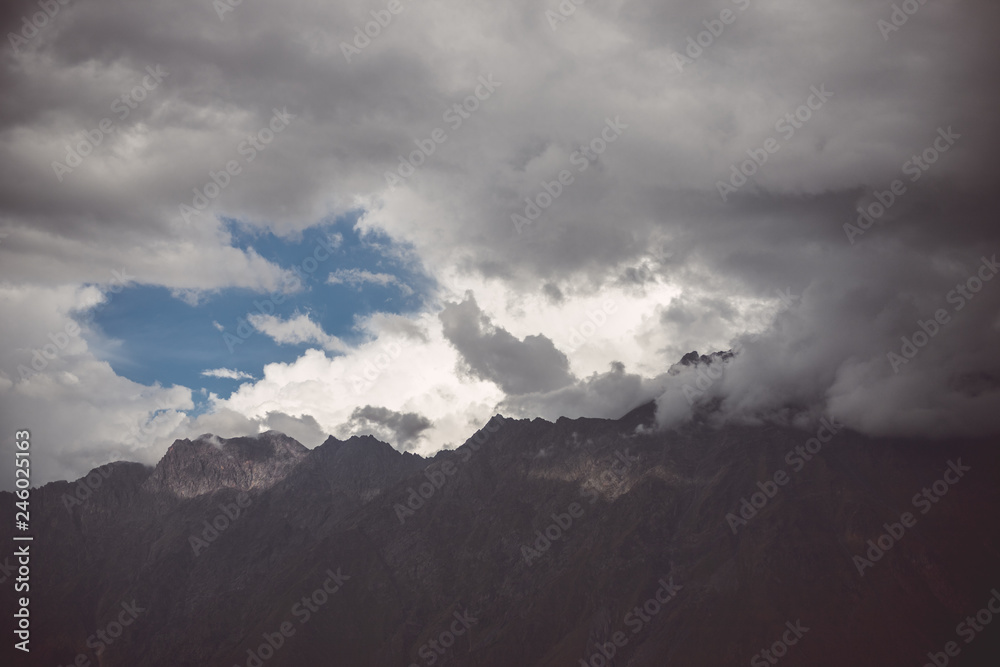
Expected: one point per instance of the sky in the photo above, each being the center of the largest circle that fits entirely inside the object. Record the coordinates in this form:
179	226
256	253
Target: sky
401	218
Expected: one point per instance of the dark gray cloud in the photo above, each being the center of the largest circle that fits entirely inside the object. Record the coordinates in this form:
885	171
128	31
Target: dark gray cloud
492	353
401	429
607	395
305	429
644	214
552	291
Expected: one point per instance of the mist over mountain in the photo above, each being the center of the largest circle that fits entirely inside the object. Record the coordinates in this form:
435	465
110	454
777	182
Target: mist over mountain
534	543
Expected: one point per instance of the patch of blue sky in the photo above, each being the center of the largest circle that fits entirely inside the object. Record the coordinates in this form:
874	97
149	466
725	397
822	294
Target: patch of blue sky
151	335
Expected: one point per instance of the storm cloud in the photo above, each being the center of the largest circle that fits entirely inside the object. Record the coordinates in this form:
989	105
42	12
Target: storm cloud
807	185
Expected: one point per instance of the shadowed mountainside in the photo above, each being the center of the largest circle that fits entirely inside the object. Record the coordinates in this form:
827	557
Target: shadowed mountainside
407	543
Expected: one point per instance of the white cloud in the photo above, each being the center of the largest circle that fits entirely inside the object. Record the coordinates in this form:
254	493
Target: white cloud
396	371
358	277
296	330
79	412
227	374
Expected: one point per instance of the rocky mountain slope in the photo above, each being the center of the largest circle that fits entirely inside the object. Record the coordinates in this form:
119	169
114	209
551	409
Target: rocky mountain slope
579	542
193	468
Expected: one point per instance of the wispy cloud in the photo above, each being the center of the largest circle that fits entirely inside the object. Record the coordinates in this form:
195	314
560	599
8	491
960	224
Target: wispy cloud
227	374
358	277
297	330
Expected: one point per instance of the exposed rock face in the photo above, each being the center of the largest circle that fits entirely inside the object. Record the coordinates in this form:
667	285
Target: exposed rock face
192	468
693	359
535	543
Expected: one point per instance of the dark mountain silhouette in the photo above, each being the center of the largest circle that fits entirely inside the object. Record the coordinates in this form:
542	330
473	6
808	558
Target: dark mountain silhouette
533	544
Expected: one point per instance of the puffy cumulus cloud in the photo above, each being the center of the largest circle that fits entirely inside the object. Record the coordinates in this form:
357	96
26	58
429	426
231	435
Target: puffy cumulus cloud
492	353
400	429
220	419
79	412
405	368
296	330
393	326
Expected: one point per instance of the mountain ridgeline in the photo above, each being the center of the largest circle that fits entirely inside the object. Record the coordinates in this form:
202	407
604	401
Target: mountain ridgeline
535	544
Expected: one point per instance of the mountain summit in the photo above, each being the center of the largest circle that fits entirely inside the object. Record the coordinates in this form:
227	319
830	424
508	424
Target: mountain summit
195	467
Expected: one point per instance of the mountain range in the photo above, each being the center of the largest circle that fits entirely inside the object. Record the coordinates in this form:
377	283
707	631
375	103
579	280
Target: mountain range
579	542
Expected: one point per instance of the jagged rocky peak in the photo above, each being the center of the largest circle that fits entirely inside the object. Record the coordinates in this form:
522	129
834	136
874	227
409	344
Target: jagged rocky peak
693	358
367	444
361	455
208	463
